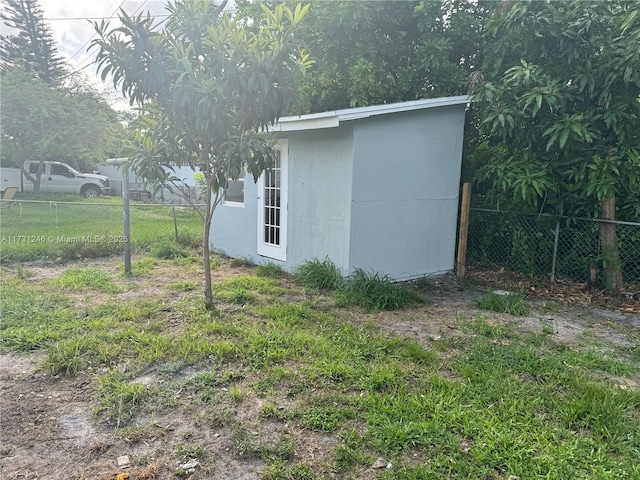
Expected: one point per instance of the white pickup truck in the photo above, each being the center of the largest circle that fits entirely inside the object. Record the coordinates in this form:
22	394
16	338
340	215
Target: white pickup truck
55	177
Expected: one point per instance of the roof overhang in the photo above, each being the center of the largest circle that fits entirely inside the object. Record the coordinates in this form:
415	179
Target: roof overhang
333	119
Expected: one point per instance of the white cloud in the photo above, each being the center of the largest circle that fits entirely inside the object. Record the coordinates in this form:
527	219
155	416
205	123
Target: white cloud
72	30
70	23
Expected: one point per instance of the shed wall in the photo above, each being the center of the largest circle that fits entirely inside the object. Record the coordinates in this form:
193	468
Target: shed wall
320	177
318	207
405	192
234	228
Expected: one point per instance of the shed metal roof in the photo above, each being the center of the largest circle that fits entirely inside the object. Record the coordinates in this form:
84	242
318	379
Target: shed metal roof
332	119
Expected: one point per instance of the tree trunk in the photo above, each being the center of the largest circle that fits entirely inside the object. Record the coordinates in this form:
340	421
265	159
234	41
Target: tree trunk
611	269
208	296
34	179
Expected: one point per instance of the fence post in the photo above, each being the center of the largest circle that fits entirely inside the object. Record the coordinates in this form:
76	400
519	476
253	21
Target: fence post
175	222
555	251
122	163
126	220
464	230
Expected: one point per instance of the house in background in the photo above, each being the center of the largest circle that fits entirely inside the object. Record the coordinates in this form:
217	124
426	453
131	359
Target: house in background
374	188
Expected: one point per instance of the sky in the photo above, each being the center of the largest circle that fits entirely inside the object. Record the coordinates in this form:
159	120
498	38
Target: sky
72	30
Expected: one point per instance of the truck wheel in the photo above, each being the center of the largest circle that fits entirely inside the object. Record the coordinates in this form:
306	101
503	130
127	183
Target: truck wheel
90	191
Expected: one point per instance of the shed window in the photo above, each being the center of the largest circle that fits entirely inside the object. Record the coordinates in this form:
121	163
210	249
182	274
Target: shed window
234	193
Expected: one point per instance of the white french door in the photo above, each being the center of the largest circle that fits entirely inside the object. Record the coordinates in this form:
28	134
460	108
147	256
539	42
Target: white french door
272	206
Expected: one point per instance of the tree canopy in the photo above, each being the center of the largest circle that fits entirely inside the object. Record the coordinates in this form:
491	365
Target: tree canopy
32	46
561	93
47	113
210	85
370	53
72	124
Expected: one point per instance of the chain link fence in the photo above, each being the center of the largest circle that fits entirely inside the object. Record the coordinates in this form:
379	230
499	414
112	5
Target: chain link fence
547	245
40	229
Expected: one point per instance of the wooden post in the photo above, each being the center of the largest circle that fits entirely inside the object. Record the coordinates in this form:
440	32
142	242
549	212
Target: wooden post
554	259
464	229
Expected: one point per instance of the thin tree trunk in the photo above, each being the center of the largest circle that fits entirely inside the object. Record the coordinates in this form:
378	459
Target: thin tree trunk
611	269
208	296
35	180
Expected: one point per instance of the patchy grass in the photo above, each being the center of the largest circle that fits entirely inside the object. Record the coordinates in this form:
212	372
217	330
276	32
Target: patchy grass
183	286
169	250
512	303
278	372
245	289
270	270
76	278
241	262
117	398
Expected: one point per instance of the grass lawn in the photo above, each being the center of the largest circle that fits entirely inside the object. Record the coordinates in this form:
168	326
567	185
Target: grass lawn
283	376
69	226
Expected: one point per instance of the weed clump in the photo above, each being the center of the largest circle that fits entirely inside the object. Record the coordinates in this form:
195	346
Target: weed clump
241	262
118	399
183	286
190	239
371	291
269	270
375	291
77	278
512	303
321	275
168	251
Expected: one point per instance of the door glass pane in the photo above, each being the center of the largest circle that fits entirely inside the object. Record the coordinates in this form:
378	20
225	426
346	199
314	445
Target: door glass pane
271	195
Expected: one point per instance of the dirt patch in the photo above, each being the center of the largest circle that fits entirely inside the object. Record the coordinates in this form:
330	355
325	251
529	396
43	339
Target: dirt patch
49	430
46	421
568	292
568	324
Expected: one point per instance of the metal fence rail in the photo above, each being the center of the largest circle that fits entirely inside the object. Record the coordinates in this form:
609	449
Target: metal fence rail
547	245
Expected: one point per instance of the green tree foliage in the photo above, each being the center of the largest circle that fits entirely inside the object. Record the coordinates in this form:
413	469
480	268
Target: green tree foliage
369	52
39	122
47	114
562	91
32	46
211	84
451	45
